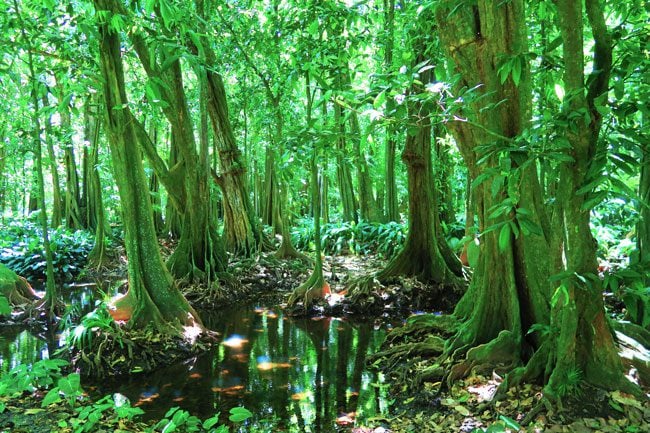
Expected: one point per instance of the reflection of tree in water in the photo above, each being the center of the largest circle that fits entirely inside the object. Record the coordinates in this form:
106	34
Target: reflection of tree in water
20	347
303	375
340	350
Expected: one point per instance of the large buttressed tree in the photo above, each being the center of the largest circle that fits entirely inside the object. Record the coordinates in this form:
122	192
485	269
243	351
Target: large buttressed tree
153	299
513	287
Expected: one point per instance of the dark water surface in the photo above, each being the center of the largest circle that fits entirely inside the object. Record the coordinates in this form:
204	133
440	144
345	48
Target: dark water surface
295	375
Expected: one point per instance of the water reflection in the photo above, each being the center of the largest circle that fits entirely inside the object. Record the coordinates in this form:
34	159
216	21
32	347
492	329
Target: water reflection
303	375
294	375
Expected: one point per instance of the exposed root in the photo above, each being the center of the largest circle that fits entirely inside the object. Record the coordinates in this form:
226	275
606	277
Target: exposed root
544	403
15	288
500	354
361	291
288	251
432	346
304	296
424	324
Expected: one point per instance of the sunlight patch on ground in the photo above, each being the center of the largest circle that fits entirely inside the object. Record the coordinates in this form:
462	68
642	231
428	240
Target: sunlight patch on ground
191	333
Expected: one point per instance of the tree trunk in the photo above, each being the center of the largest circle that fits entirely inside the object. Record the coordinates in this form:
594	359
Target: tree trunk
343	175
421	256
643	225
3	179
241	229
315	287
585	343
367	206
57	214
92	187
392	212
200	252
72	213
50	300
510	290
152	299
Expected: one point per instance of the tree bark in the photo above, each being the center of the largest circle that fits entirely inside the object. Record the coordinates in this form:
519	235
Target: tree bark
392	212
153	298
57	214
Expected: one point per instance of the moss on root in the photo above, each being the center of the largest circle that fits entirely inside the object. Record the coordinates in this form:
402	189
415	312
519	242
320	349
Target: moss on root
15	288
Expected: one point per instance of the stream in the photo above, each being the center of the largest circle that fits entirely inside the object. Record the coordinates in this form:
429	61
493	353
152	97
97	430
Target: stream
294	375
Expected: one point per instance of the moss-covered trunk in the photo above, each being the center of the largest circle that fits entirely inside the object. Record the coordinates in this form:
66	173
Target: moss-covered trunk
315	287
57	209
391	210
72	203
49	303
241	229
343	174
509	290
585	343
421	255
643	225
152	299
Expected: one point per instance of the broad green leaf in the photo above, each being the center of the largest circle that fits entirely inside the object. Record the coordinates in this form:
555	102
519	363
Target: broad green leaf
461	410
516	70
239	414
504	237
379	100
51	397
211	422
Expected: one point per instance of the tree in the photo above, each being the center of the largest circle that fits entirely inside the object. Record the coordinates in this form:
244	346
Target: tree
512	286
50	300
152	299
315	287
425	254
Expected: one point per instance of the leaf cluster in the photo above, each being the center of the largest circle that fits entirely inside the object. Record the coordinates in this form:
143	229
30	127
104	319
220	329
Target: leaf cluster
21	249
357	238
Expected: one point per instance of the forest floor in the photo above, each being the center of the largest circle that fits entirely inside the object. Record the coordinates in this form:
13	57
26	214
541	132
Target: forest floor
467	407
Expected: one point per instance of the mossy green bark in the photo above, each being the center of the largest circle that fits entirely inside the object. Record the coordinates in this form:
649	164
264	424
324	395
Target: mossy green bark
511	288
15	288
152	299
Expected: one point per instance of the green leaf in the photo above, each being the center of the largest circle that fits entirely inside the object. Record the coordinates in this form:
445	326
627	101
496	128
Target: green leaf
379	100
516	70
149	6
561	291
71	384
510	423
239	414
461	410
504	237
169	427
528	226
51	397
211	422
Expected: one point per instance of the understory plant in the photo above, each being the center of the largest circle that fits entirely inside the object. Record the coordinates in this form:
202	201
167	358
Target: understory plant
28	378
349	237
21	249
179	420
99	320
